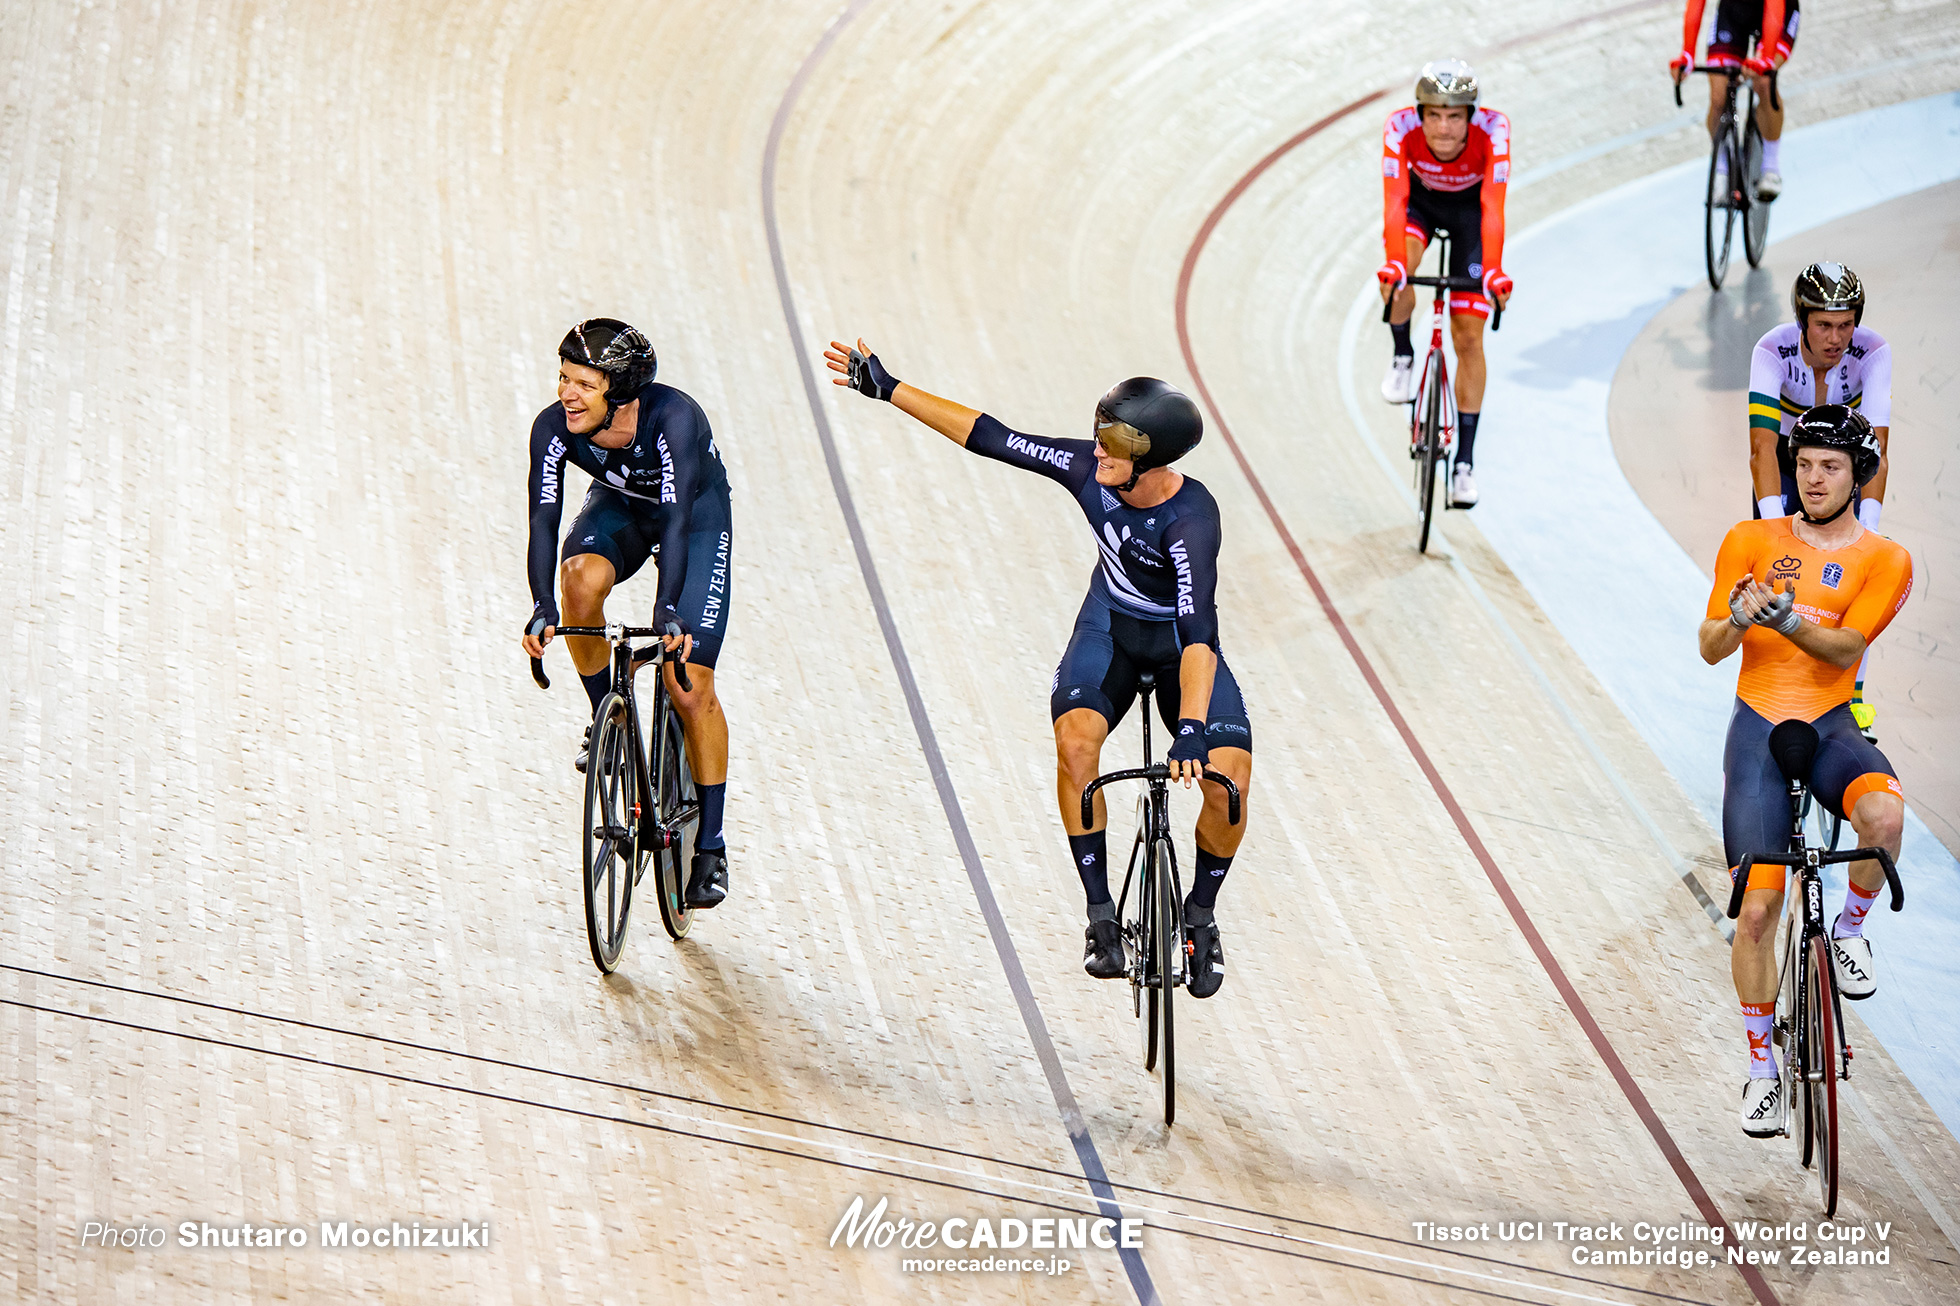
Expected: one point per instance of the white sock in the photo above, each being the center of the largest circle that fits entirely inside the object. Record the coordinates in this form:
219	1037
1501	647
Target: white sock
1770	150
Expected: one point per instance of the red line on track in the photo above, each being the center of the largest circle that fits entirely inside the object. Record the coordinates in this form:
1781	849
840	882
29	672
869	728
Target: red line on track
1566	990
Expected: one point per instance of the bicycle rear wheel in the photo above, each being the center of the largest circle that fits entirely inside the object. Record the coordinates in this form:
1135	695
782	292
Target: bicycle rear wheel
1719	229
1821	1068
1429	446
677	811
1170	942
612	833
1755	217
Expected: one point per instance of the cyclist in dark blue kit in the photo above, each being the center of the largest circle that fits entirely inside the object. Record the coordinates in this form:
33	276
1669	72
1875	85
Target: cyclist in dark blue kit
658	489
1151	607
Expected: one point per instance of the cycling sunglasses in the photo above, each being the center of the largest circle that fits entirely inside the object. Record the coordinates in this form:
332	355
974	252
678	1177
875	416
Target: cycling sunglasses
1118	438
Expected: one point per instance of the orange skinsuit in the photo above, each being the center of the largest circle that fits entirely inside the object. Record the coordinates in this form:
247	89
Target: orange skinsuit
1859	586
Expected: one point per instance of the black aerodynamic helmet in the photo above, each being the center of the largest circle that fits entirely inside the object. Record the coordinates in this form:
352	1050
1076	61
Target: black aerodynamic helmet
1823	287
616	349
1835	426
1150	422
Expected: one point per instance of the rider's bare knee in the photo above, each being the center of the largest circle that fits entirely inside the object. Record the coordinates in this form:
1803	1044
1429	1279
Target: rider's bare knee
585	579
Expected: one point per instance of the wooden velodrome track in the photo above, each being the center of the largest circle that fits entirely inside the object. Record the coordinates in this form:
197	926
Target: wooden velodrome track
287	910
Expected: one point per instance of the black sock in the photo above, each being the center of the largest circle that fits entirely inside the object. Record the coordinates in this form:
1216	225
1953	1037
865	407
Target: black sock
713	798
1403	349
1090	851
1204	884
1466	437
597	686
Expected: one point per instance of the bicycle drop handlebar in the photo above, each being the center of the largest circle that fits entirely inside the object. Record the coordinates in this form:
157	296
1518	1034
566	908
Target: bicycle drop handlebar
1157	771
1453	283
1731	71
615	633
1823	859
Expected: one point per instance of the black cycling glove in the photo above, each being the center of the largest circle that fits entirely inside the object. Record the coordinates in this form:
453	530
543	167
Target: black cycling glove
667	617
869	377
544	614
1189	746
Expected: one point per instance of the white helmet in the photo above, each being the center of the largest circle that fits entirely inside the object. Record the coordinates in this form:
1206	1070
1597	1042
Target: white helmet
1446	82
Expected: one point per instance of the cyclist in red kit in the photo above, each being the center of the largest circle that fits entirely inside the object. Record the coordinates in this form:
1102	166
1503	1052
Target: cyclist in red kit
1445	163
1772	26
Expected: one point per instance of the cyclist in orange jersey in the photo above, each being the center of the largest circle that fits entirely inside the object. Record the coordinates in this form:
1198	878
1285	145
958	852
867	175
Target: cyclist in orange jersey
1803	597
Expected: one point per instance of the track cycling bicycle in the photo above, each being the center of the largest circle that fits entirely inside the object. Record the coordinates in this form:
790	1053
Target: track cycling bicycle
641	803
1737	153
1155	949
1432	411
1809	1024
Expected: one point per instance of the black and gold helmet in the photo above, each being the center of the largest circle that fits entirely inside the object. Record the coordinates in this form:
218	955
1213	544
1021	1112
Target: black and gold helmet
1828	287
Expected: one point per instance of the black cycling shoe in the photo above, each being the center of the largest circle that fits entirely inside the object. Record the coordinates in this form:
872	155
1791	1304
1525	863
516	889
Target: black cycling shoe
1207	960
584	752
1102	953
707	879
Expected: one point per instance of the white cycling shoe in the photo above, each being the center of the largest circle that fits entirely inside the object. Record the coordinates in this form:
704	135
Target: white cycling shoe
1851	960
1399	382
1463	487
1763	1108
1769	186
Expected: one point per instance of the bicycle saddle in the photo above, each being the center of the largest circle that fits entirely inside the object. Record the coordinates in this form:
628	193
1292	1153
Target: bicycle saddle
1146	681
1794	746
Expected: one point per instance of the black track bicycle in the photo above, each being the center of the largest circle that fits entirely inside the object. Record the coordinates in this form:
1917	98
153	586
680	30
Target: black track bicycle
1737	153
1155	948
641	803
1809	1023
1432	410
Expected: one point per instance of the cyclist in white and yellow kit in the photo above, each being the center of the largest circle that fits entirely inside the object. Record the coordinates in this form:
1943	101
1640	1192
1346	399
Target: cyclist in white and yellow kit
1826	356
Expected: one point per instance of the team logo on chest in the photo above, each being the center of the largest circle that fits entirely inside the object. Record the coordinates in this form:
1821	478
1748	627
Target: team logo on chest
1786	567
1832	575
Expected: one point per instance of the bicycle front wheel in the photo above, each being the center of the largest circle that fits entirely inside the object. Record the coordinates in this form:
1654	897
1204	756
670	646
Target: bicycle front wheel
1429	447
612	833
1719	229
677	812
1144	932
1755	217
1170	965
1821	1068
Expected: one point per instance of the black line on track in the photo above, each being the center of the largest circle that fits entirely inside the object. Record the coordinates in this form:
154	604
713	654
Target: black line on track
709	1104
790	1153
976	873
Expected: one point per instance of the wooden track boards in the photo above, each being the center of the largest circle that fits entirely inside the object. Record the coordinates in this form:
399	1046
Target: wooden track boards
282	291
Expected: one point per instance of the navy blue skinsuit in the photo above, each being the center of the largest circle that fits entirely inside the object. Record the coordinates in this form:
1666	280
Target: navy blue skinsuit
1153	593
666	493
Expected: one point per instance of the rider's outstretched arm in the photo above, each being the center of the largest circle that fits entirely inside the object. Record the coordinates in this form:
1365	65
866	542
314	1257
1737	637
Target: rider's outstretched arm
952	420
861	370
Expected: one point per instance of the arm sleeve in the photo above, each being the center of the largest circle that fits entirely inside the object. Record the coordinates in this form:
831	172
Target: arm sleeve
684	437
1770	42
546	492
1069	462
1877	403
1691	26
1765	389
1192	542
1735	559
1881	596
1497	177
1395	195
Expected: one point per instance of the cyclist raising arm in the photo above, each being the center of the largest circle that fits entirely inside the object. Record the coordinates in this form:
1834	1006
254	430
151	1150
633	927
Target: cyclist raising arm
1445	163
1151	607
1803	597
